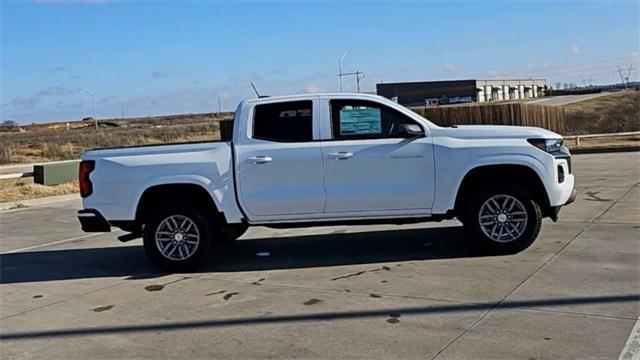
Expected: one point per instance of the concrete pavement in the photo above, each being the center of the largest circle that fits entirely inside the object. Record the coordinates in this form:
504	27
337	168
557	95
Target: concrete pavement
414	291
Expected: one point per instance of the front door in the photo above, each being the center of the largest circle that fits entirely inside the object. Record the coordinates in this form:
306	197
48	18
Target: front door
279	166
371	166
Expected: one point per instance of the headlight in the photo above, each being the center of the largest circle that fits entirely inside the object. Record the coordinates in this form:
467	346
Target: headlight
552	146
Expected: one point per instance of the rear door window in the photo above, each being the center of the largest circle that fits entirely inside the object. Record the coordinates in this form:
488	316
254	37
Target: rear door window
284	122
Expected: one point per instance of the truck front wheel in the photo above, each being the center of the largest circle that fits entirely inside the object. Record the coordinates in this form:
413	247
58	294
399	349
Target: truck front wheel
178	237
505	219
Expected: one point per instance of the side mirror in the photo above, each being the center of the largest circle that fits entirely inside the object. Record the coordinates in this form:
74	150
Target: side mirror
411	130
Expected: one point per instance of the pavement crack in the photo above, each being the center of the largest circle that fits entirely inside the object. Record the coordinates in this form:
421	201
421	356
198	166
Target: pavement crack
102	308
348	275
593	196
229	295
216	293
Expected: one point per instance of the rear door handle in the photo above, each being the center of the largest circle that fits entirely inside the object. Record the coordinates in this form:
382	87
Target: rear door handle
261	159
342	155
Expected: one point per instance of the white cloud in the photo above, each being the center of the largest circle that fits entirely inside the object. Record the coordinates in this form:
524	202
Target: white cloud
55	91
74	1
312	88
452	68
21	102
574	48
157	75
57	69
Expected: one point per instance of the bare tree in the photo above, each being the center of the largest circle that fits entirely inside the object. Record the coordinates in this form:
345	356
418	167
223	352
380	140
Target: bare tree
8	124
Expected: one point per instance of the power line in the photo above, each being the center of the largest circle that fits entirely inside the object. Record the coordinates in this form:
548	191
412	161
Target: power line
577	70
546	68
595	76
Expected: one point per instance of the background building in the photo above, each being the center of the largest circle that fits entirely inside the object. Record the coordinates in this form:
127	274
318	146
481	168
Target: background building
461	91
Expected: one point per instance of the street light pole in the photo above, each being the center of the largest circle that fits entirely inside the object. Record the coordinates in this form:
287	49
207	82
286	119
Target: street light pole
340	68
93	103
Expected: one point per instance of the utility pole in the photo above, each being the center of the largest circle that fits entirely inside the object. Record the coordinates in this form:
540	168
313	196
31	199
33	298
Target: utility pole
359	76
624	74
219	105
93	103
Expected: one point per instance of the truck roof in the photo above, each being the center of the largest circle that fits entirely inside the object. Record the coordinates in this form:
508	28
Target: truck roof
313	96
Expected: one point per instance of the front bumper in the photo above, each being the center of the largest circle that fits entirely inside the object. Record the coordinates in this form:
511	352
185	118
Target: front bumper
554	211
92	221
572	198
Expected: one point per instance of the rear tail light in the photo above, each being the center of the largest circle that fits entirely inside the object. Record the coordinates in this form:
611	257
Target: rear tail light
86	167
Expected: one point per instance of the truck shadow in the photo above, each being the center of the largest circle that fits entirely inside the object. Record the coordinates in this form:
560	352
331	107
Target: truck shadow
292	252
343	249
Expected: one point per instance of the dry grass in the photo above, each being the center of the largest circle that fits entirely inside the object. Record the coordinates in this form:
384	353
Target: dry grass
614	113
622	141
22	189
52	142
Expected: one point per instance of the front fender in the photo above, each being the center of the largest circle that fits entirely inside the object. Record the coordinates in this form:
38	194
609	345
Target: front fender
451	180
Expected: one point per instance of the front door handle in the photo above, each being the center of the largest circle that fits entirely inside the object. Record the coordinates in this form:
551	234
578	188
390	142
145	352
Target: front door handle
342	155
261	159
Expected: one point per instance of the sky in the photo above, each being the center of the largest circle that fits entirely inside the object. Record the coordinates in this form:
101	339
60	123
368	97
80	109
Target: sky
142	58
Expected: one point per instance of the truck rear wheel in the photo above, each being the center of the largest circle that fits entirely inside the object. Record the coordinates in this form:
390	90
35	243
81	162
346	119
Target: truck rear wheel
178	237
505	219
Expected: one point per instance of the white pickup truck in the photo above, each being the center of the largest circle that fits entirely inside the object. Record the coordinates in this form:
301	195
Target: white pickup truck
321	159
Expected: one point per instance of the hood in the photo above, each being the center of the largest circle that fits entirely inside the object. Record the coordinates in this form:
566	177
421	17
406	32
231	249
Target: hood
497	132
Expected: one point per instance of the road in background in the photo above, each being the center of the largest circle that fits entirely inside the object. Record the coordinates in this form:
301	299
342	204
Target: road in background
566	99
414	291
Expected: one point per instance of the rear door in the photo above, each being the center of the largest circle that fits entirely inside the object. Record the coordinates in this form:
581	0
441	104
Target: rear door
279	163
370	166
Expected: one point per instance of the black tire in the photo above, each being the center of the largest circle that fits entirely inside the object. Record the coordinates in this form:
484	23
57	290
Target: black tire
233	231
519	237
201	219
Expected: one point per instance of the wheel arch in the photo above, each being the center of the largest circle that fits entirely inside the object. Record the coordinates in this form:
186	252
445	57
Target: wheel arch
186	192
509	173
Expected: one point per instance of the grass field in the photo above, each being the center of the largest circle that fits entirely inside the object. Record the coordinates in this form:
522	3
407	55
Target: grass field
22	189
619	112
54	141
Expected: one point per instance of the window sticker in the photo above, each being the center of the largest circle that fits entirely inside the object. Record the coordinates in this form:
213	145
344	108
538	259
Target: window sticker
360	120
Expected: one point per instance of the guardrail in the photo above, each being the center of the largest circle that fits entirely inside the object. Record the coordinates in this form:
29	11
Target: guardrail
16	175
577	138
51	173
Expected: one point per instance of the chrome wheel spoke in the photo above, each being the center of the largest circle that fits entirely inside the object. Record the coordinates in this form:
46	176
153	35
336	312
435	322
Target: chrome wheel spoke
495	203
503	218
168	253
177	237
